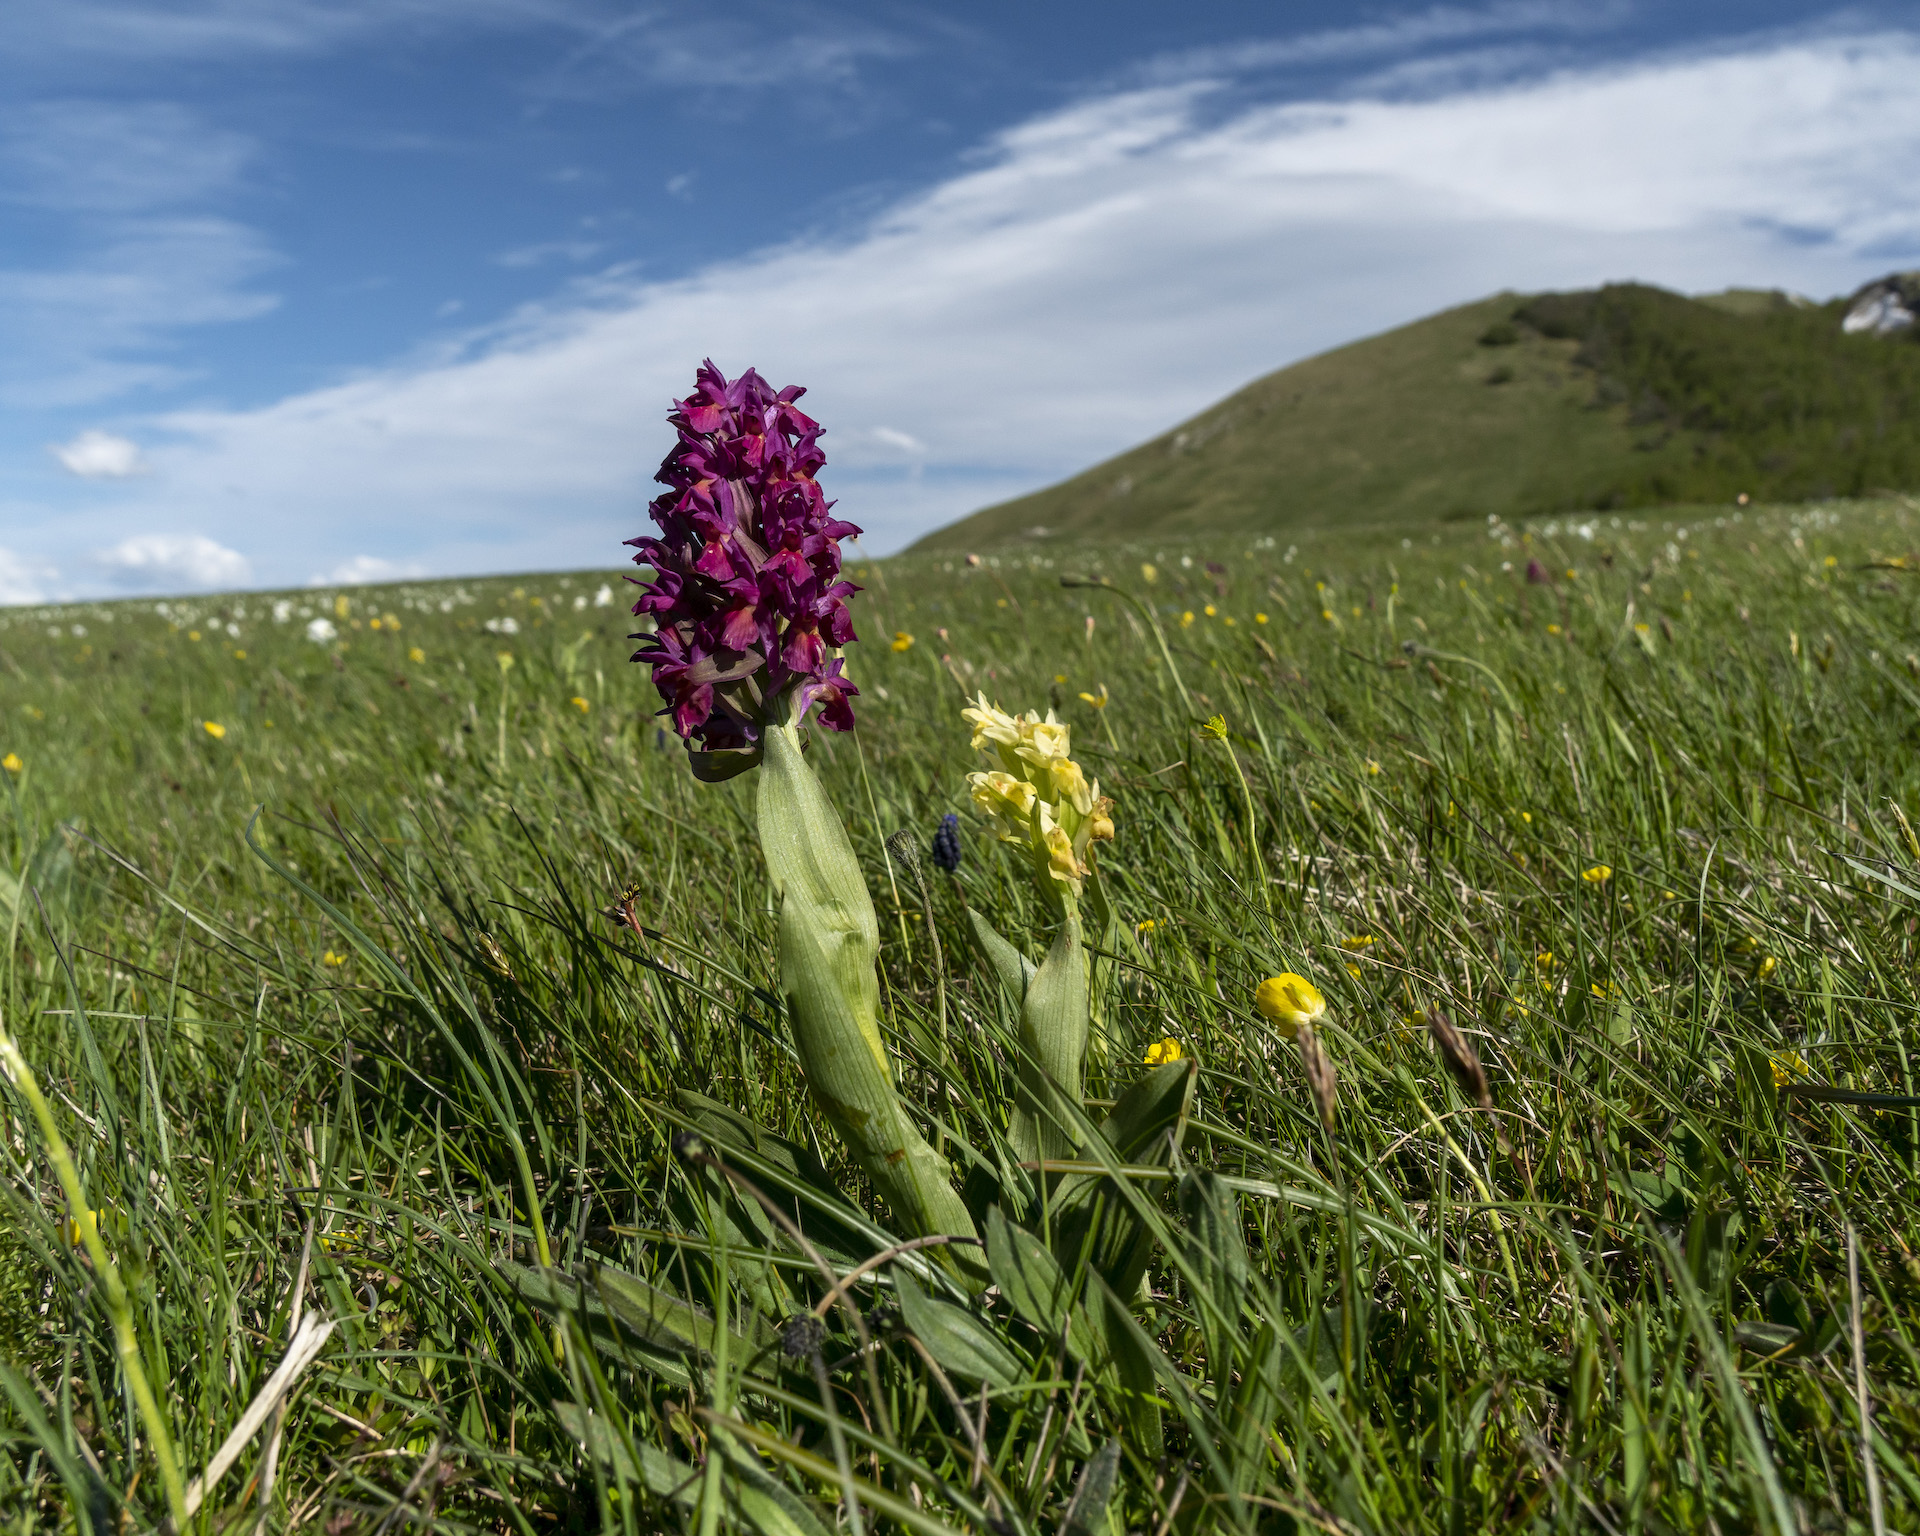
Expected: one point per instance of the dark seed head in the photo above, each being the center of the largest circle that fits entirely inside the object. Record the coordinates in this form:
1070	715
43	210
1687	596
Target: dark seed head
688	1144
802	1336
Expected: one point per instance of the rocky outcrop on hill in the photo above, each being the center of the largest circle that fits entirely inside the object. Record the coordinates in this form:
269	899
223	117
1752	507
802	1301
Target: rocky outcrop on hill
1883	307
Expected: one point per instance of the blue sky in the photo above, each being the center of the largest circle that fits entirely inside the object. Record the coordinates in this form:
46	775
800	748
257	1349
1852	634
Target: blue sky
293	291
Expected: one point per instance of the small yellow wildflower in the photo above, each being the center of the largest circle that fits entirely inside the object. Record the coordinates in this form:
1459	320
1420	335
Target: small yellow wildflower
1357	941
579	703
1289	1001
505	661
1544	960
1768	965
1830	562
1668	896
1787	1066
1186	619
239	655
75	1230
11	762
1259	618
1327	614
1059	677
1553	629
1216	727
393	624
1229	621
330	958
1526	816
1373	768
1163	1051
1000	603
1145	926
416	655
1208	610
193	634
1150	572
1599	874
1097	700
902	641
1353	970
1603	989
1643	629
213	728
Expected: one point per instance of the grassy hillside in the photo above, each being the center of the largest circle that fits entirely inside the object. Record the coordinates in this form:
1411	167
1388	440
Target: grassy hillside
1643	832
1624	397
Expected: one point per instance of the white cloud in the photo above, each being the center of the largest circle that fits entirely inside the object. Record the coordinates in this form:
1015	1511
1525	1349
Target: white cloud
363	570
23	579
95	455
155	561
1095	275
119	178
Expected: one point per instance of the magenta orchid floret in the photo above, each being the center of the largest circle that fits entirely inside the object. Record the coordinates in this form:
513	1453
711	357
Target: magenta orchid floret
746	593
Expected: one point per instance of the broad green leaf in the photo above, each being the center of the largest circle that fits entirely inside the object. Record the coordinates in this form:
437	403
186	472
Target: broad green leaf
1030	1278
1013	970
663	1475
963	1344
1087	1513
1053	1041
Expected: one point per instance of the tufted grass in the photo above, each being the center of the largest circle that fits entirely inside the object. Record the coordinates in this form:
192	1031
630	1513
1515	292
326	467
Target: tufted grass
1647	1291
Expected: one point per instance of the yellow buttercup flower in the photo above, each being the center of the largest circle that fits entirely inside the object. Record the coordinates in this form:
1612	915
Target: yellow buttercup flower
1259	618
213	728
1787	1066
416	655
1209	610
1599	874
1150	572
1146	927
11	762
193	634
1163	1051
1373	768
1289	1001
1098	699
1768	965
579	703
75	1230
1357	941
330	958
902	641
1186	619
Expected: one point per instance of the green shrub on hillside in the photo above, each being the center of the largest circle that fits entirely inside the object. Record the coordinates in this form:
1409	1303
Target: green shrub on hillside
1780	405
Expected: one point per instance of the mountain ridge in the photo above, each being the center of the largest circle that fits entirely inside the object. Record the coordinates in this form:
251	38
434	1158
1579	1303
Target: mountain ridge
1517	405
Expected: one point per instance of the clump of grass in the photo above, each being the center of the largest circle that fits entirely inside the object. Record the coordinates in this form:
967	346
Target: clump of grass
372	1068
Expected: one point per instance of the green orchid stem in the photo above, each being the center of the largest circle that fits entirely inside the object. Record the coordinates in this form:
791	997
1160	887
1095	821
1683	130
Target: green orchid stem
829	944
1053	1045
119	1306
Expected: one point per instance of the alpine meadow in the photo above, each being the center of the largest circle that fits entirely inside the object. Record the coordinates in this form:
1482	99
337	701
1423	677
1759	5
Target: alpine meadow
1348	1032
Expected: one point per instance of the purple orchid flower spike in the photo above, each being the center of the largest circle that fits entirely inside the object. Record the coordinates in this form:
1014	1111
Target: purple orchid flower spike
746	596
